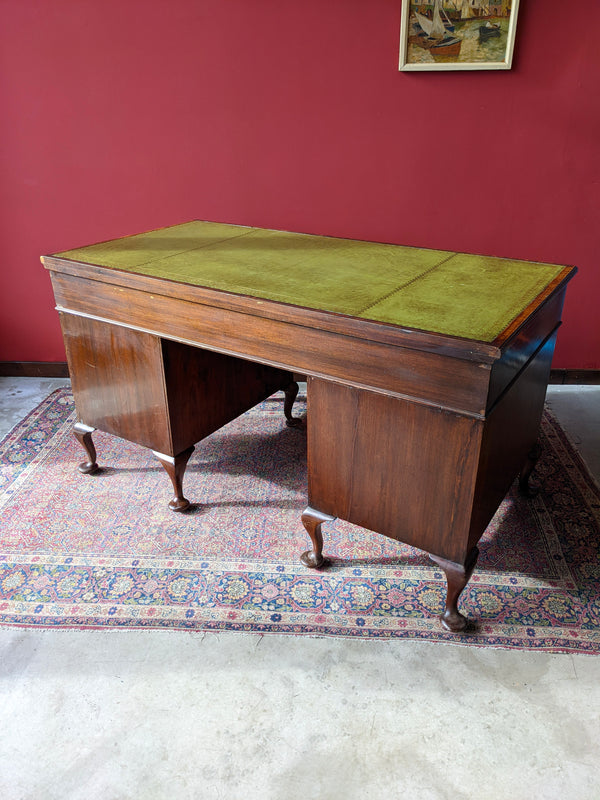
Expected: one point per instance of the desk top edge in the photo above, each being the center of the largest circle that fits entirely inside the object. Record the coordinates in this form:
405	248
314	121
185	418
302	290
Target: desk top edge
487	346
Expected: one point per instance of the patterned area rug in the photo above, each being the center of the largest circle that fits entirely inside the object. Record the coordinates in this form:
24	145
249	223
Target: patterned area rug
105	551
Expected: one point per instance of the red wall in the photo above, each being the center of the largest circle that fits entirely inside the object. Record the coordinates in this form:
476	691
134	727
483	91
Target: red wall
123	115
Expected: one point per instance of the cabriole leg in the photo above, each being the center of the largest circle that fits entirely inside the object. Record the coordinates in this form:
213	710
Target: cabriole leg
532	458
175	468
312	521
291	392
83	434
457	577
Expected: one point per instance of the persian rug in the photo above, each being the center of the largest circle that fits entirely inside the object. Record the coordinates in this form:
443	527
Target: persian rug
104	551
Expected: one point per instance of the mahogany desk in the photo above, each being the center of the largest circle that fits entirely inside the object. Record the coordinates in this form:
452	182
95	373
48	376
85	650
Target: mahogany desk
426	370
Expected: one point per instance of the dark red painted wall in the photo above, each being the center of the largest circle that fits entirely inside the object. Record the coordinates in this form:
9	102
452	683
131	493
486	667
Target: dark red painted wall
123	115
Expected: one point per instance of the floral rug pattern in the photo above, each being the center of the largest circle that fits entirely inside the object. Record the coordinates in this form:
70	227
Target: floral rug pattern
105	551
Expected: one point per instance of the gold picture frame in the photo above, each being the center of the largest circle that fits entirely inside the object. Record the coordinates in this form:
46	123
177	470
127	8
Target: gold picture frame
457	34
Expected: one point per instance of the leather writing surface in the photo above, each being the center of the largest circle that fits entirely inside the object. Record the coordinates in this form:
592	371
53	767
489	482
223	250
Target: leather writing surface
474	297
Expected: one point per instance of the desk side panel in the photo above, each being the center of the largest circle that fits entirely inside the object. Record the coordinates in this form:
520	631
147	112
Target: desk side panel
510	434
117	380
398	468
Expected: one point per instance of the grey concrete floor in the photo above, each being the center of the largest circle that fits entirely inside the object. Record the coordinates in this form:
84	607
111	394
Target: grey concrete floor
166	714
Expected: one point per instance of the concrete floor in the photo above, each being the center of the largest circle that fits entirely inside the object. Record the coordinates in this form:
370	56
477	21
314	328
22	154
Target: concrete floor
161	714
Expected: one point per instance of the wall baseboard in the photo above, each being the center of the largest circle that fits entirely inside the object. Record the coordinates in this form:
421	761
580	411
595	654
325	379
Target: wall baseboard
574	376
59	369
34	369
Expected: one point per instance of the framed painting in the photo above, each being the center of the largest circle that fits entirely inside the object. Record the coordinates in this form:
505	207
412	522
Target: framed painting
457	34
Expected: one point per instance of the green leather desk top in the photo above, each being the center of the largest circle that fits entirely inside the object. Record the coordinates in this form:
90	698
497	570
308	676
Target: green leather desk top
474	297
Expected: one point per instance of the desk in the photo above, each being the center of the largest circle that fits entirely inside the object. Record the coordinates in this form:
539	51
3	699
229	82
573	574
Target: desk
426	370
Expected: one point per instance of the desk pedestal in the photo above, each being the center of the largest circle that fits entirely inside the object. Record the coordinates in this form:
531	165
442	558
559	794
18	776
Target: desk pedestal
161	394
426	476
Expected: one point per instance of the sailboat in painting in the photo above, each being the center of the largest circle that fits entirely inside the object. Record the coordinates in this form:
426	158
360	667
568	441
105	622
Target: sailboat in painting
433	35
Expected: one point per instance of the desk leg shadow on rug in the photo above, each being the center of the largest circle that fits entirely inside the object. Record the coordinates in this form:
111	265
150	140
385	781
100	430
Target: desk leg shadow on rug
104	550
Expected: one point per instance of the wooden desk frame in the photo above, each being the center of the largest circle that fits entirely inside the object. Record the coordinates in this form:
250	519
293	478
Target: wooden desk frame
415	435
